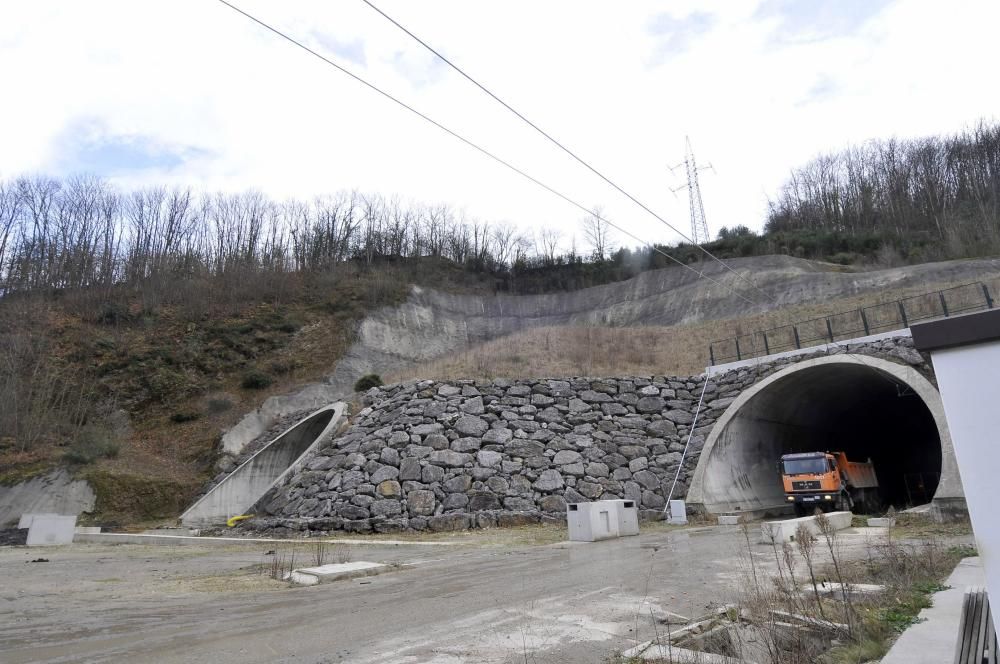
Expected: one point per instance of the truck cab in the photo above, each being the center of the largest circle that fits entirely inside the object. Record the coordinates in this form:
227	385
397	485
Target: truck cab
811	480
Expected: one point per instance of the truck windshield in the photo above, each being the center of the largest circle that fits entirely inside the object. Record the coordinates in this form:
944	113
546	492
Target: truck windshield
805	466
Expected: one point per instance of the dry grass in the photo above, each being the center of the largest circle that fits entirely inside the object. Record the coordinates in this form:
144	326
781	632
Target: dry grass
608	351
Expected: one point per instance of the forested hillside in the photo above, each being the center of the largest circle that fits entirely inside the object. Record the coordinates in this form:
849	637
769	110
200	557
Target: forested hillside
925	199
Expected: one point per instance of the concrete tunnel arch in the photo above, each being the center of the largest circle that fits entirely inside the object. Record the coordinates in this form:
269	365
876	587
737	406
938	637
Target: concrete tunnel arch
266	468
866	406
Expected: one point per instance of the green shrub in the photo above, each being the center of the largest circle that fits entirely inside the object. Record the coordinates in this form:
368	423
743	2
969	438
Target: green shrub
218	404
165	383
281	367
367	382
844	258
256	380
94	442
289	326
185	416
113	313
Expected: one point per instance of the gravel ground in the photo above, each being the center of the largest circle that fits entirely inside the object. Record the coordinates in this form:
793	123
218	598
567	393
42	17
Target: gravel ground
499	598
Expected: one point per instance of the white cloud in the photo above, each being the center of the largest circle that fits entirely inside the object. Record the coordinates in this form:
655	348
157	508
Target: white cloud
758	89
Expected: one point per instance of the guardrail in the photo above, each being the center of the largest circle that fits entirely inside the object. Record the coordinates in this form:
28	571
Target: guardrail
865	321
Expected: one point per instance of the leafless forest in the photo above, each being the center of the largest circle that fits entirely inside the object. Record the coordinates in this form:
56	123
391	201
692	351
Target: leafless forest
943	190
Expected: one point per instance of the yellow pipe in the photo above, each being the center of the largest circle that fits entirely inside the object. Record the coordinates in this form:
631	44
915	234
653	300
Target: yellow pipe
233	520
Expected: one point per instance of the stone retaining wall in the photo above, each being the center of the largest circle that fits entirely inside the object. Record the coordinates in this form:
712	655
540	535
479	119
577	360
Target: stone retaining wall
453	455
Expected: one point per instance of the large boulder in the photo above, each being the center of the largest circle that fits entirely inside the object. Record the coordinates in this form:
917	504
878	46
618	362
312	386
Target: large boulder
549	480
420	502
447	522
449	458
650	404
470	425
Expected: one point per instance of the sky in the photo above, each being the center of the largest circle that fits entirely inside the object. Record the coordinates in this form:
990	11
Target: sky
188	92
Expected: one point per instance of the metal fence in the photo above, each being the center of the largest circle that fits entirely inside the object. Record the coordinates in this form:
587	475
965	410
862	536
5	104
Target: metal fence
874	319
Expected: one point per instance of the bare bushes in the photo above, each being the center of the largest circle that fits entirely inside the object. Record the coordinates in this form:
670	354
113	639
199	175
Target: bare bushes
809	601
40	400
46	400
279	563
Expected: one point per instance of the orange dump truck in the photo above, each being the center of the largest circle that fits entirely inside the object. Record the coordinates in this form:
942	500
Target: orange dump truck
828	480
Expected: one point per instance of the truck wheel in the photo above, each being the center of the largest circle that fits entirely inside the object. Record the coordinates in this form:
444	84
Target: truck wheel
800	510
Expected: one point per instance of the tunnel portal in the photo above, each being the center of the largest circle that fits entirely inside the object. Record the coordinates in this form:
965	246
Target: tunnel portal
854	406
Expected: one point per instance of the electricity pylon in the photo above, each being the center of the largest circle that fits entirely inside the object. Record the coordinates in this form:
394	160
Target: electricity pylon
699	226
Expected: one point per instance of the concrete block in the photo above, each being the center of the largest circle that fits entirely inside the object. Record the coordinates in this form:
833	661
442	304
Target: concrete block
729	520
654	652
310	576
784	531
51	530
590	522
628	516
678	513
86	530
182	532
301	579
881	522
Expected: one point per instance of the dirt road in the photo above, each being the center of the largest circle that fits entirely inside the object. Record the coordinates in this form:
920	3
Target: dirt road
565	602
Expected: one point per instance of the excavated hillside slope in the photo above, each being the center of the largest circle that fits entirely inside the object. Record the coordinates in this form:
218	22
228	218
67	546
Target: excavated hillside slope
431	323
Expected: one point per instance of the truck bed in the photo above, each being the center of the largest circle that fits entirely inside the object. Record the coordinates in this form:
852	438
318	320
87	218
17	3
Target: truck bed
861	474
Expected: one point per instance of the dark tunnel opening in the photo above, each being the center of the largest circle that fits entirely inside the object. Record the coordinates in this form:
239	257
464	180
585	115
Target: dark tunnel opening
849	407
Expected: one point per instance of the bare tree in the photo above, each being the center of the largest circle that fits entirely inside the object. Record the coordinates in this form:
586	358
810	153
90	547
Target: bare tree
597	231
505	242
548	245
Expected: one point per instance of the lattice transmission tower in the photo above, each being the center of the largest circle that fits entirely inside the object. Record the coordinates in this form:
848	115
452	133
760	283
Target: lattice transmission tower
699	226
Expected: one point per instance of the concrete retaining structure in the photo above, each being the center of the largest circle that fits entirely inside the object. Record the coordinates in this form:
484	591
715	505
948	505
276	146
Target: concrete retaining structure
51	530
283	456
56	492
796	399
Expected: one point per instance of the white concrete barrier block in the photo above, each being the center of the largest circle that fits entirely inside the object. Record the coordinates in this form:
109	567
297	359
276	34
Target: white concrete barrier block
729	520
87	530
51	530
786	531
310	576
678	513
590	522
628	516
301	579
881	522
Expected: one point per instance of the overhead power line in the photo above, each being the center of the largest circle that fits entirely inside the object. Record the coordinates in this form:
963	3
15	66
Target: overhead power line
565	149
697	211
480	149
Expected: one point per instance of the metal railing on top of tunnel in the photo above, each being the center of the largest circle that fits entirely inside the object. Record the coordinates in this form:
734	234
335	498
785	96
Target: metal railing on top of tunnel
864	321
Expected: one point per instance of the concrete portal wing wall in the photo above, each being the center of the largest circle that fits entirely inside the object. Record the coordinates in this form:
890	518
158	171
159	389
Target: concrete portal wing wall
737	468
252	479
